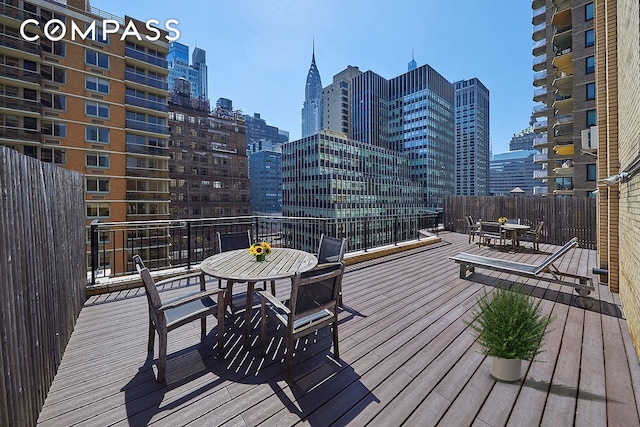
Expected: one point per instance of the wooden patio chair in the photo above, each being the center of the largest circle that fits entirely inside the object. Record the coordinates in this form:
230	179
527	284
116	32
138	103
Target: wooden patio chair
330	251
546	270
313	305
230	242
491	231
167	316
473	228
534	236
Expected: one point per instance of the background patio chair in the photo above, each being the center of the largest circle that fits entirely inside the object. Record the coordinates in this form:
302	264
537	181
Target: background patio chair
165	317
491	230
331	250
473	228
534	236
231	242
313	305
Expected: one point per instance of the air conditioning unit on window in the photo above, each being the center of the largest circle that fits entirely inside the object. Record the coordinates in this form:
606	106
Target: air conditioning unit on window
590	138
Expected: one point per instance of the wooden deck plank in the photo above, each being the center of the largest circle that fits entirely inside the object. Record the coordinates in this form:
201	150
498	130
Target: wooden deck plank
407	356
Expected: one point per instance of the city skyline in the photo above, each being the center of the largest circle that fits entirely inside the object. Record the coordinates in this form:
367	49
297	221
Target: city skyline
259	52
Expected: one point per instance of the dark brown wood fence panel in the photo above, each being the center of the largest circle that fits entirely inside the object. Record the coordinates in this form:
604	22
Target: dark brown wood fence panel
564	217
42	278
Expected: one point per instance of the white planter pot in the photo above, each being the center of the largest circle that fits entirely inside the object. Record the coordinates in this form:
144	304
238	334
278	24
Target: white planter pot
506	369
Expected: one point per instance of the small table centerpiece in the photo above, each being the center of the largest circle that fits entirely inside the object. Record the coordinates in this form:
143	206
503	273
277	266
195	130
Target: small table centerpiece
260	250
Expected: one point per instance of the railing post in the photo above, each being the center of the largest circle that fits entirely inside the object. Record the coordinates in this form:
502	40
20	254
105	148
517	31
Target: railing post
94	250
366	234
188	245
395	231
257	239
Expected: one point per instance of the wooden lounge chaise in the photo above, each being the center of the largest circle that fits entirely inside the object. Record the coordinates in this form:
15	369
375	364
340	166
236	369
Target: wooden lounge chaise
546	270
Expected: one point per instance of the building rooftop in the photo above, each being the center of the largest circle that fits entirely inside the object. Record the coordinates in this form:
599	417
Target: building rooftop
406	356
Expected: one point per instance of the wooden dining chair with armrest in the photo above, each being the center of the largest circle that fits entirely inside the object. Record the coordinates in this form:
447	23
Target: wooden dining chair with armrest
313	305
473	228
169	315
231	242
491	231
534	236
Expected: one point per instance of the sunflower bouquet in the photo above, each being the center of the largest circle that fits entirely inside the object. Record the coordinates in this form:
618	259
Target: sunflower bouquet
502	220
260	250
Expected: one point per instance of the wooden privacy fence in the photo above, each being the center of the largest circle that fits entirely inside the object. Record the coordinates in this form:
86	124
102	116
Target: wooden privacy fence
564	217
42	278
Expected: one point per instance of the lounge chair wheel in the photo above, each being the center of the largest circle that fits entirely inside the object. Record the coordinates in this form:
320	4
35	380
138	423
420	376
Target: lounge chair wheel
583	292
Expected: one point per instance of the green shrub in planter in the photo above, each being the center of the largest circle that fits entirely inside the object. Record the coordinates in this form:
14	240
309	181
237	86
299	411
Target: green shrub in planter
509	324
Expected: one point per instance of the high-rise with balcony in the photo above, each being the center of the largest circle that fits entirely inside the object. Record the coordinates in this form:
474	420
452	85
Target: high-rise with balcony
564	77
312	107
96	105
472	138
195	73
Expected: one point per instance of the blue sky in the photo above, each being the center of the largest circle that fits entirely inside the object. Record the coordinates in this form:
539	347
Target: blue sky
259	51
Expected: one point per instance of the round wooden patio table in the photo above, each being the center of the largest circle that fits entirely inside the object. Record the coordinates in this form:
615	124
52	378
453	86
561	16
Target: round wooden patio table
240	266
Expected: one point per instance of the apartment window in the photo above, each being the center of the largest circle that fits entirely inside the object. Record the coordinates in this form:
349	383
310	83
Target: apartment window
98	35
55	48
97	185
99	59
591	118
97	160
53	155
53	129
97	84
591	91
588	11
97	109
590	65
98	210
589	39
97	134
591	172
50	100
53	74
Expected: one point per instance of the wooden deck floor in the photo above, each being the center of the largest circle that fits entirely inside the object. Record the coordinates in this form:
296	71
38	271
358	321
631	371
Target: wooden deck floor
407	358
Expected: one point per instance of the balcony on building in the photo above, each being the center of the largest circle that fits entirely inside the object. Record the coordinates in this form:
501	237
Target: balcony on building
146	81
539	31
540	158
540	62
564	79
540	78
540	126
561	12
564	150
540	142
540	94
539	47
537	4
539	15
563	171
539	190
563	104
145	58
540	174
21	47
539	110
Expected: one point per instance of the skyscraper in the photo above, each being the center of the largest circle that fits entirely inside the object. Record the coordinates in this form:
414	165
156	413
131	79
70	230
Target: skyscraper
336	101
258	129
472	138
196	73
265	172
312	107
564	65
